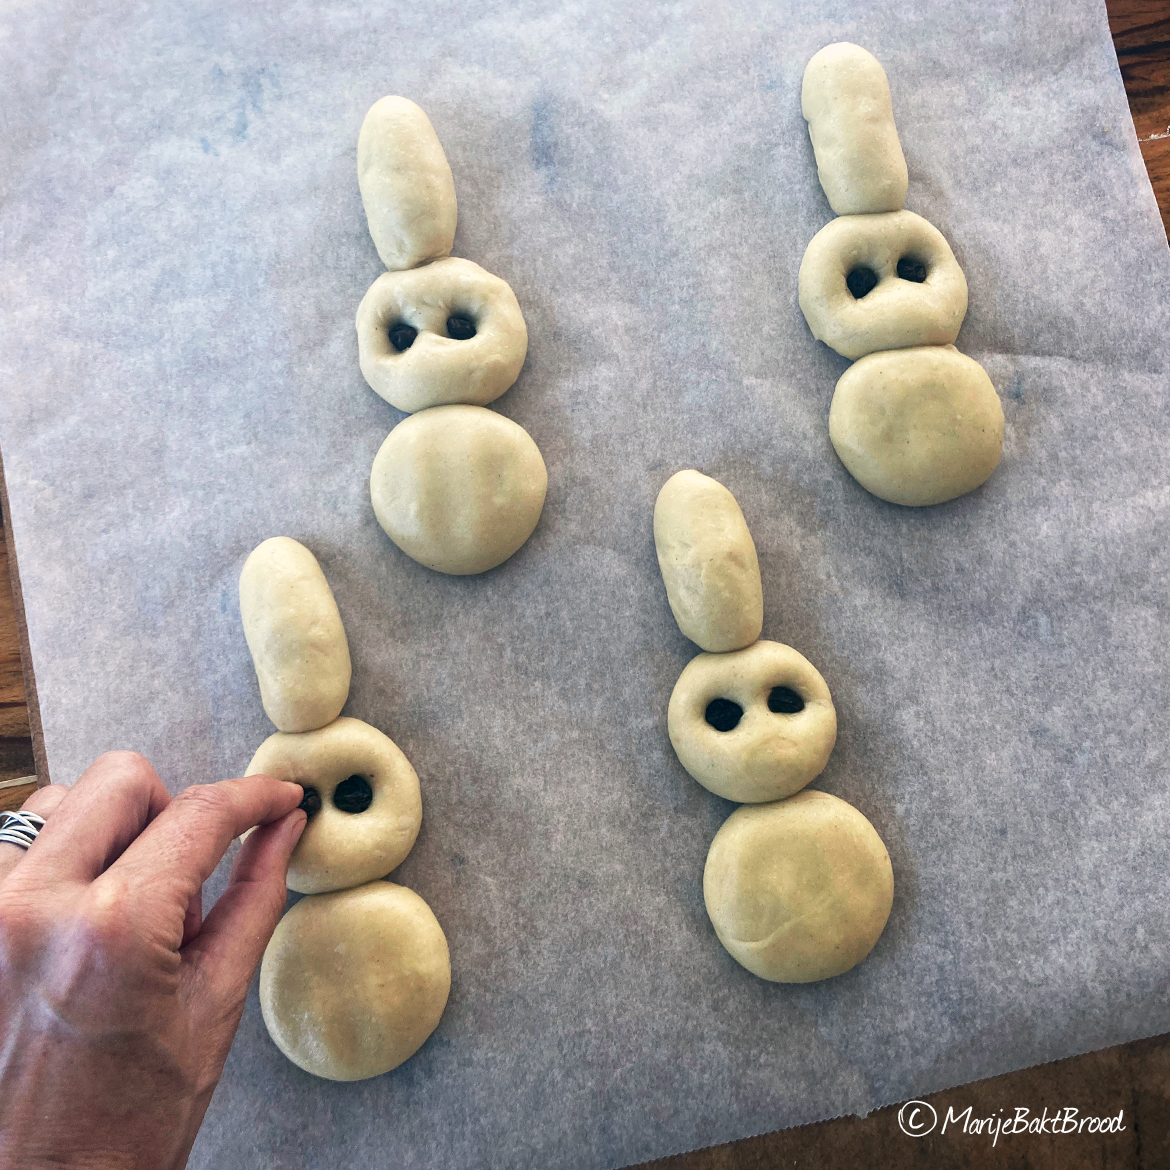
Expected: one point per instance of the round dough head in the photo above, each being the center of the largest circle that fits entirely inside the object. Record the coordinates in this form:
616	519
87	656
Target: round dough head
708	562
845	98
370	806
458	488
295	635
907	287
753	725
353	983
799	890
416	310
917	426
406	184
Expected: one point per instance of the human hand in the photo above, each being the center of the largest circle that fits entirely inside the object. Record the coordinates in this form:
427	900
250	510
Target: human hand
118	1000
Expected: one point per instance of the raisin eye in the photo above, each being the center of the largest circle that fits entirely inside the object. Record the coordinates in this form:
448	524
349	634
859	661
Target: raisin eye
723	714
784	701
311	801
861	282
402	336
913	270
353	795
460	328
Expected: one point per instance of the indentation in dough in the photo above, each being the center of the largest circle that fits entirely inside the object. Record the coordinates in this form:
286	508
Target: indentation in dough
895	313
342	763
767	755
469	340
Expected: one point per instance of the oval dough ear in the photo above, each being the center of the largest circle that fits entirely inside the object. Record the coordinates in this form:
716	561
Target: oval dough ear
406	185
295	635
845	98
708	562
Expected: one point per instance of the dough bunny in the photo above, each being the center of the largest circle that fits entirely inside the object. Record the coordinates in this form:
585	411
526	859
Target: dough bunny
798	884
914	421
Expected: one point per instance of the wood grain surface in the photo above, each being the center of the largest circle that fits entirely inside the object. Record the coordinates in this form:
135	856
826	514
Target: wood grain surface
1133	1078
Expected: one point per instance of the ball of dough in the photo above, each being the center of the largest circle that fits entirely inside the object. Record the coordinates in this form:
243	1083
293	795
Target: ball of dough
353	983
799	890
708	562
924	305
753	725
418	311
917	426
369	804
458	488
295	635
406	184
845	98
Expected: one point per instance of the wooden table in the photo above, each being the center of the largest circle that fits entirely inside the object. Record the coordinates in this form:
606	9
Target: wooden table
1132	1077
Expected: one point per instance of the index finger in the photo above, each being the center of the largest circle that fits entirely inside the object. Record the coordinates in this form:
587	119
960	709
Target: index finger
178	850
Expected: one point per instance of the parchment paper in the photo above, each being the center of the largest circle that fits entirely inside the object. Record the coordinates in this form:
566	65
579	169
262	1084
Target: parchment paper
183	252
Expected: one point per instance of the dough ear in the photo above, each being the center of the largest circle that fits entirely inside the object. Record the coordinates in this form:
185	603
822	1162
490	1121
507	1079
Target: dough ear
845	98
294	632
406	185
708	563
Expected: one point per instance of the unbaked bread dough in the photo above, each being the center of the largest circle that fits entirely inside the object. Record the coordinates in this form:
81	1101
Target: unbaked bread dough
295	635
845	98
458	488
897	312
353	983
352	765
917	426
406	185
708	562
753	725
405	346
799	890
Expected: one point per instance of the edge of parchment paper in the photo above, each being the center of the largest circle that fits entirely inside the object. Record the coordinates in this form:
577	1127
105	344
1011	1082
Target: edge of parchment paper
30	680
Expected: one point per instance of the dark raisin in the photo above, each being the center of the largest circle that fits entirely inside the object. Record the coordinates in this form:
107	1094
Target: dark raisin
861	282
353	795
723	714
402	336
311	801
784	701
460	328
913	270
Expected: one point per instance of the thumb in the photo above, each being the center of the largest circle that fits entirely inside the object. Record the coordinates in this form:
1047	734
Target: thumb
231	942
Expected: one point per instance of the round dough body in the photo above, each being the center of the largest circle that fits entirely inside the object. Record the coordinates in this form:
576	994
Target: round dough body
917	426
437	369
406	184
295	635
845	98
341	849
708	562
799	890
353	983
766	755
458	488
896	313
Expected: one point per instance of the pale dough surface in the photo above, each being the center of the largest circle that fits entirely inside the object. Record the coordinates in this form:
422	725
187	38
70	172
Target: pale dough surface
294	632
917	426
437	370
458	488
766	756
708	563
799	890
896	313
341	849
845	98
353	983
406	184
